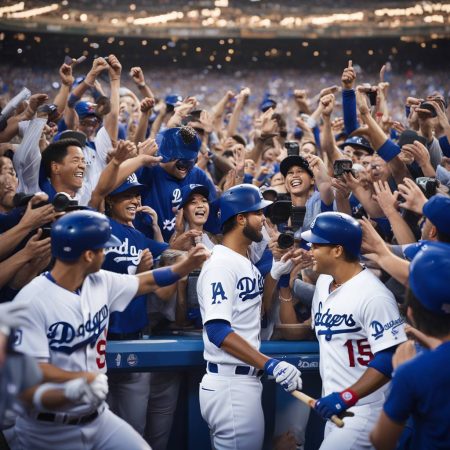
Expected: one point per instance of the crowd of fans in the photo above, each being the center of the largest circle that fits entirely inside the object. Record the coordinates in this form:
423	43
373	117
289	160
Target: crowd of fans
155	154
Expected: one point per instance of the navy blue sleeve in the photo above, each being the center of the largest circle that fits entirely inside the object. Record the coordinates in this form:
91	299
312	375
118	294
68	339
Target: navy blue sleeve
382	361
445	146
401	398
316	132
349	109
388	150
217	330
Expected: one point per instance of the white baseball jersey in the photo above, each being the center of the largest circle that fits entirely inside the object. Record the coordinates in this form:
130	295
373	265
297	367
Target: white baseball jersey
354	322
69	330
230	288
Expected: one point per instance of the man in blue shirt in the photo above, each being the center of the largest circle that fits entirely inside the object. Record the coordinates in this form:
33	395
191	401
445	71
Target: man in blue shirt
421	386
179	148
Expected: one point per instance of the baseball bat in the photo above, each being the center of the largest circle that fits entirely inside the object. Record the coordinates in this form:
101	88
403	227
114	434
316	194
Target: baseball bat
311	402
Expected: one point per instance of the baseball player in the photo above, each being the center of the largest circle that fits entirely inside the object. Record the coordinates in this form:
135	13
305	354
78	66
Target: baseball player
358	326
229	291
420	387
66	330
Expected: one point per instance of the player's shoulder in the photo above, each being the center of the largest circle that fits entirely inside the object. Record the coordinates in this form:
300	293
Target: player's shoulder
219	261
35	288
372	287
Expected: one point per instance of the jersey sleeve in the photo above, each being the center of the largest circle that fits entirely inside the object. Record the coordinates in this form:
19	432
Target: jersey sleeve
216	289
121	289
384	325
401	398
31	338
103	146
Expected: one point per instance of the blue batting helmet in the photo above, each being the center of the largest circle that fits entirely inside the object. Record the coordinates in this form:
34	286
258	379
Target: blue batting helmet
428	276
337	229
358	142
240	199
79	231
178	143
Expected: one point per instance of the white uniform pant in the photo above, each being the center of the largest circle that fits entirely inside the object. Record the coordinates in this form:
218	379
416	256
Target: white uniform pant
231	405
355	433
128	397
106	432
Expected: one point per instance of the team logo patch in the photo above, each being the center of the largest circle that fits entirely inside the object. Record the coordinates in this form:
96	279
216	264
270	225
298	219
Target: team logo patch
347	396
217	290
132	360
392	326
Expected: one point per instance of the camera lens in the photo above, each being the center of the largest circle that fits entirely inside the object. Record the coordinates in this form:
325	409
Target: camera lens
285	240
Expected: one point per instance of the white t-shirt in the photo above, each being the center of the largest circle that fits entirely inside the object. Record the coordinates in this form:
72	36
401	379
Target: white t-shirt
354	322
69	330
230	288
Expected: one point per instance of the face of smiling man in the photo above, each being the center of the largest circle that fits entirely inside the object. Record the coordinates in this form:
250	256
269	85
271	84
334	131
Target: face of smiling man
68	175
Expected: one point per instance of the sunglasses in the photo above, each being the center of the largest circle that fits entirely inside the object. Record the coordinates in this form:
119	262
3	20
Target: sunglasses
187	164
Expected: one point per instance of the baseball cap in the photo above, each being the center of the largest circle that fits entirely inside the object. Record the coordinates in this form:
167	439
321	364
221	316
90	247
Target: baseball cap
267	103
129	183
85	109
173	99
437	210
189	190
429	273
358	142
409	136
295	160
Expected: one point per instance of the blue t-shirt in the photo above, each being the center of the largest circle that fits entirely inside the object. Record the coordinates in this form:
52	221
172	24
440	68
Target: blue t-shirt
125	259
421	388
163	193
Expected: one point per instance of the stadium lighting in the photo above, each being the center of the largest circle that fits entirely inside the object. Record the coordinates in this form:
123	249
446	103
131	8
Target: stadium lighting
34	12
13	8
162	18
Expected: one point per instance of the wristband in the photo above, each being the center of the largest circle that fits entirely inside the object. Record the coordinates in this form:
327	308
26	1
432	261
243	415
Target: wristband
73	99
141	84
283	282
270	365
165	276
388	150
349	397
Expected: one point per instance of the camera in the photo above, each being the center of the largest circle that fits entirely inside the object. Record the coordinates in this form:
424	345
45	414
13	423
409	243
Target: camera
280	212
342	166
62	202
428	185
372	94
292	147
429	107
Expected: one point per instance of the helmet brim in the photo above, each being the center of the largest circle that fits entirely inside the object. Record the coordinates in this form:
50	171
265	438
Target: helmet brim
309	236
113	241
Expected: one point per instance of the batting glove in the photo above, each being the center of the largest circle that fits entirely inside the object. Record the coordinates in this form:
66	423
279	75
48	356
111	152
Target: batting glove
336	403
79	391
287	375
280	268
99	386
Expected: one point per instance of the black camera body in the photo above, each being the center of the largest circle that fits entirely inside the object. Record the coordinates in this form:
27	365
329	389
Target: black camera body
280	212
341	166
292	147
428	107
428	185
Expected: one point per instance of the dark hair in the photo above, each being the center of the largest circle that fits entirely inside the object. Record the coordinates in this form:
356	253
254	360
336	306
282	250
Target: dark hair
229	225
349	257
238	138
56	152
442	237
430	323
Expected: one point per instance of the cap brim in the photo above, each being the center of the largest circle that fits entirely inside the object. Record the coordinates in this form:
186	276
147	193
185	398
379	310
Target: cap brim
309	236
113	241
202	190
123	188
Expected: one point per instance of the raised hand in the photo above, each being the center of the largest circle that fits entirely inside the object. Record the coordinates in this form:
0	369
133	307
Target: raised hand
65	73
138	76
146	262
414	198
147	104
114	68
348	76
385	198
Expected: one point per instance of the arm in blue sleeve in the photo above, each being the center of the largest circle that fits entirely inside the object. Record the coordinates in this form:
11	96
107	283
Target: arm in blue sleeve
316	132
445	145
349	108
407	110
388	150
382	361
217	330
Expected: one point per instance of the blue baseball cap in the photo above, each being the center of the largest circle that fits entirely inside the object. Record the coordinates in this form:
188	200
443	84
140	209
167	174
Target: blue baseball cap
173	99
429	273
358	142
437	210
267	103
129	183
86	109
191	189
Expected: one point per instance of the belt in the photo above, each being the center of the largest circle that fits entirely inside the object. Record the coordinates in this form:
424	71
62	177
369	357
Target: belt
66	419
124	336
230	369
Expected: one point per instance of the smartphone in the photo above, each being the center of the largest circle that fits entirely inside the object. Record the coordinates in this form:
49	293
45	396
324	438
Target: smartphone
429	107
292	147
372	97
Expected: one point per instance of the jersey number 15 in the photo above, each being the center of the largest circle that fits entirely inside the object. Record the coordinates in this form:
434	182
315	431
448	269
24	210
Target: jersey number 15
364	354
